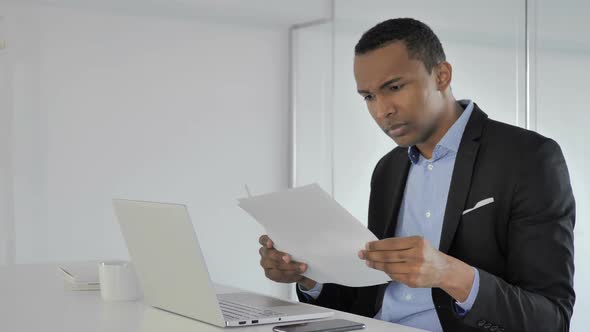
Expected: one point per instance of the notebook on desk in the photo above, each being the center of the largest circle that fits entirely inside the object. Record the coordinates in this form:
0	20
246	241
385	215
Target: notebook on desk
172	272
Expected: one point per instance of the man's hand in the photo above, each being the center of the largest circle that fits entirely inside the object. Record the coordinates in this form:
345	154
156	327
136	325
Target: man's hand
279	267
412	261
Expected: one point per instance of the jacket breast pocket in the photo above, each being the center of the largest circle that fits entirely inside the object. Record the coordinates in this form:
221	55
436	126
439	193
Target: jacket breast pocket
480	214
481	204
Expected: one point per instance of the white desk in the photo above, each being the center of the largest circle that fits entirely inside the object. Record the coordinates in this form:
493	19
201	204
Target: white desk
32	298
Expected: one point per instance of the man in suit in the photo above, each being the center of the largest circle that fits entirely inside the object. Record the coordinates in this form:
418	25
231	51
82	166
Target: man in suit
475	217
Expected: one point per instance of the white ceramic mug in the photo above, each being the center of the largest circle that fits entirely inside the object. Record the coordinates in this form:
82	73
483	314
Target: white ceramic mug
118	281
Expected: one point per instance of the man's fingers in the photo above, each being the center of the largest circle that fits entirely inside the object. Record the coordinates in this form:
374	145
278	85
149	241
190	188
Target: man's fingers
395	243
278	256
268	262
278	266
273	254
396	256
395	268
288	269
264	240
378	266
288	261
295	267
282	276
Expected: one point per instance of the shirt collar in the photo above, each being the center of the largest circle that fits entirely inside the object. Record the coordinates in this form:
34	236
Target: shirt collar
451	140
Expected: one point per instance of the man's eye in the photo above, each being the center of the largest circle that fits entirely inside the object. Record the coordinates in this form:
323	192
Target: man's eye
395	87
368	97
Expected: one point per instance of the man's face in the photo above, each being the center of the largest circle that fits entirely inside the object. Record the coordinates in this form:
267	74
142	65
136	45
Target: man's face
401	95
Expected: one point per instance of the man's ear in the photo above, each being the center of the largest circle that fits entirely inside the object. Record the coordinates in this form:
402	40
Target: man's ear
444	75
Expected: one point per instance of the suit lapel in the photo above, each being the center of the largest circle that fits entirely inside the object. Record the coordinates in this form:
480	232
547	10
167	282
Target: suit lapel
461	178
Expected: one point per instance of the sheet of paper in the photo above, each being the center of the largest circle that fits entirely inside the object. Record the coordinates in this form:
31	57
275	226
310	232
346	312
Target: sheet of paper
312	227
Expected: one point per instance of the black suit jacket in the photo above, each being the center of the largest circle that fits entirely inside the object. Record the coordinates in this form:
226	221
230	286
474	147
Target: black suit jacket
522	243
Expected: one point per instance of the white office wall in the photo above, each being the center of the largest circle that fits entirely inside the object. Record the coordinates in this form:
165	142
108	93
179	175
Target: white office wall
5	177
562	56
487	64
312	105
5	153
109	105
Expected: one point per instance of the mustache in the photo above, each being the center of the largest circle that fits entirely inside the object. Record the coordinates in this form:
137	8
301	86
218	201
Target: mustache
393	126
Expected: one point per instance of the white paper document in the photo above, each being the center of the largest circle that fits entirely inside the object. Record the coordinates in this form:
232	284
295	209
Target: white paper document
313	228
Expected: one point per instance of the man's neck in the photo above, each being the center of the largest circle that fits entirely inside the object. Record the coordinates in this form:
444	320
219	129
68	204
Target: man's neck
452	112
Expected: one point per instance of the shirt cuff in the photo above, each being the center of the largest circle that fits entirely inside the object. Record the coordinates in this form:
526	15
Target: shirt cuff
314	292
462	308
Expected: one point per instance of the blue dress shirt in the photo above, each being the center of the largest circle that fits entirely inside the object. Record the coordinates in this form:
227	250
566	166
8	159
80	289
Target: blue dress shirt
421	213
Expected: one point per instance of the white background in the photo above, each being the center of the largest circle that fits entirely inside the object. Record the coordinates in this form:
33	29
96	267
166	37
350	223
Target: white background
110	102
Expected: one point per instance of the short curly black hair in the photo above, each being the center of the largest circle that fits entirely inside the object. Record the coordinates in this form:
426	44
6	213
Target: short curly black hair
421	42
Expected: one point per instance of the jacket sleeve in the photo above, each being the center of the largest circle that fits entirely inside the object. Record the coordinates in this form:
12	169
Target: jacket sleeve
537	293
355	300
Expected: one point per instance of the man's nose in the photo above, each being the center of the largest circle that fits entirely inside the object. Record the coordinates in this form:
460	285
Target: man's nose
384	109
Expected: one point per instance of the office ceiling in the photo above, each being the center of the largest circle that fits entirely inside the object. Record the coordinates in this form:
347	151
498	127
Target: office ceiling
252	12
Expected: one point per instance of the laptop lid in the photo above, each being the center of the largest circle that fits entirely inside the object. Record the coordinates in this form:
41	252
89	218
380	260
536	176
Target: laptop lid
168	260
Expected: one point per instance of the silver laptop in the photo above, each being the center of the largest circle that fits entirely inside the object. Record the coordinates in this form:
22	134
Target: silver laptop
172	271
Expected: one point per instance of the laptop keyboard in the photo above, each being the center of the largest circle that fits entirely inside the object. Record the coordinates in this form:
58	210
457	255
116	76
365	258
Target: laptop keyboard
237	311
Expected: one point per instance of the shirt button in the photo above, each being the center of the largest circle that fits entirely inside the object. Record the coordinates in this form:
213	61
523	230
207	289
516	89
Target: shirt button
430	167
409	297
428	214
